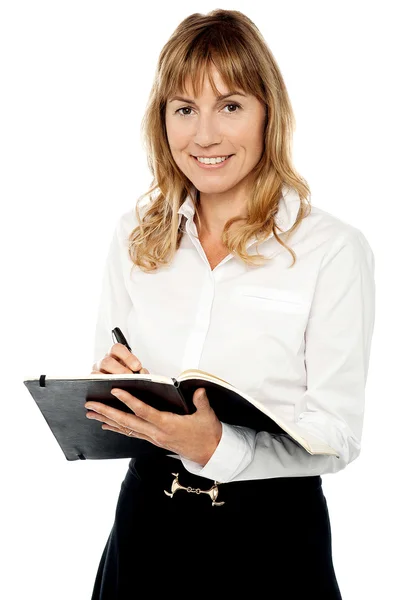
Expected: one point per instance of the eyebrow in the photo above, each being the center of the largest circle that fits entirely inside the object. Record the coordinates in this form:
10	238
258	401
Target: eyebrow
218	98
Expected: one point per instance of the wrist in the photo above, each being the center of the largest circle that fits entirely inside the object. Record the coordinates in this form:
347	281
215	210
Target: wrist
211	447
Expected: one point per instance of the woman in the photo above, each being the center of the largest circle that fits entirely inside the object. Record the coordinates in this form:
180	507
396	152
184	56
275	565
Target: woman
201	276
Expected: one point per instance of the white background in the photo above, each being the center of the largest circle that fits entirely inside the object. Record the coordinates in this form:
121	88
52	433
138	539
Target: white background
75	78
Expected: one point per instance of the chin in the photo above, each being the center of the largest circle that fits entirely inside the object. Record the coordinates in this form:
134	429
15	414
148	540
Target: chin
209	186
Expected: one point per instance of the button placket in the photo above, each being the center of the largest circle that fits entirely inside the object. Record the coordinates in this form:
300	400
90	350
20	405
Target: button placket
196	340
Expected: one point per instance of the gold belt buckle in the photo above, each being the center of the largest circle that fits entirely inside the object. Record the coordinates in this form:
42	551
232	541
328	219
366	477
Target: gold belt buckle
212	492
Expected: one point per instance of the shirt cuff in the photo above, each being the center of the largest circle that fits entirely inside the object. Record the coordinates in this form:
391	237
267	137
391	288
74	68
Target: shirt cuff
232	455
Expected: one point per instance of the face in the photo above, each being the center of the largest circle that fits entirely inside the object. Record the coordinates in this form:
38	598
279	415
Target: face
210	127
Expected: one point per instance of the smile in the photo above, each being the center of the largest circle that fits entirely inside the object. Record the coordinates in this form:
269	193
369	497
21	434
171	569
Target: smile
213	163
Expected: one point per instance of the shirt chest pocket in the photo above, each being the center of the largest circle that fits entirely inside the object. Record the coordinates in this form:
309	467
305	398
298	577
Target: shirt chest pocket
272	320
273	300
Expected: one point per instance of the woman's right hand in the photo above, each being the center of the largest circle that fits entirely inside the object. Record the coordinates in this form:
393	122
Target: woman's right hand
118	360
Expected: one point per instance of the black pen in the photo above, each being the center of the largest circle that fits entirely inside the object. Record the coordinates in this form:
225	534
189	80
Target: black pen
119	337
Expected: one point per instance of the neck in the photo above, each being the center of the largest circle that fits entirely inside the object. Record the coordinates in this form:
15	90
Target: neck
215	210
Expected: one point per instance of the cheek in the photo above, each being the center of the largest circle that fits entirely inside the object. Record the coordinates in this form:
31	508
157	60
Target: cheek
178	142
248	134
254	143
252	133
177	136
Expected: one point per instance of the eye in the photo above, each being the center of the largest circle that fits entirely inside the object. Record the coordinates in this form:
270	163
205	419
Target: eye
234	104
184	108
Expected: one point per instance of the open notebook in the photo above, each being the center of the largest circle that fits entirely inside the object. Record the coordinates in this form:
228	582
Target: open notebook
61	401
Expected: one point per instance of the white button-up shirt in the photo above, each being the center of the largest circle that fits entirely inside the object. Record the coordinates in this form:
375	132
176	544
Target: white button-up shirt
297	339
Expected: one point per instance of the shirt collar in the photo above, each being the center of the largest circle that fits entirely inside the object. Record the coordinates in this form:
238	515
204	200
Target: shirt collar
289	205
187	208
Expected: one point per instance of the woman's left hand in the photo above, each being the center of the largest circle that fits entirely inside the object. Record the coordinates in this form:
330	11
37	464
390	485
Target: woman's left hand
194	437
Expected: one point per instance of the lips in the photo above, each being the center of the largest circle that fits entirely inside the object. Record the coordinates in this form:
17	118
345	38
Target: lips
218	156
212	166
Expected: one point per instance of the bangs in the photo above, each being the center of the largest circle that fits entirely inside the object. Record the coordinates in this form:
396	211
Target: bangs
237	68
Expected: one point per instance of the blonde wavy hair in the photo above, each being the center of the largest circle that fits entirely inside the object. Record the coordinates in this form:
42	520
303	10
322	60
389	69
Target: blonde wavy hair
233	44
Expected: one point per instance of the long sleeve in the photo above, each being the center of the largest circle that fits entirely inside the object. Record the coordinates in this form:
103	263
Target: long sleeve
337	351
115	303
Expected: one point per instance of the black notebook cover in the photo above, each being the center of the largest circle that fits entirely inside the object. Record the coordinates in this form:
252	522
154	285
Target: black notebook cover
61	402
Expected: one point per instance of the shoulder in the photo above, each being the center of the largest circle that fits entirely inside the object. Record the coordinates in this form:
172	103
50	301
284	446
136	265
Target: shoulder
126	222
330	225
335	233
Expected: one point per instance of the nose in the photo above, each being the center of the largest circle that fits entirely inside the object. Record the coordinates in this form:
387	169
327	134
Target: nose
207	131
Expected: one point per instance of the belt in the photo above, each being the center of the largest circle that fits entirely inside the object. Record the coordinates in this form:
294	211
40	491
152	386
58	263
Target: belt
213	491
175	479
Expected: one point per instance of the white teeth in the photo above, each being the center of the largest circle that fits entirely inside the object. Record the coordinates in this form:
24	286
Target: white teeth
211	161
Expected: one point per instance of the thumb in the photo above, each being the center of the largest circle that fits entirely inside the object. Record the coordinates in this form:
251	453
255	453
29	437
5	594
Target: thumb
200	399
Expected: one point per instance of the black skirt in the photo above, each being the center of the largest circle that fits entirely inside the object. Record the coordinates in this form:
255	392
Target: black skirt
229	539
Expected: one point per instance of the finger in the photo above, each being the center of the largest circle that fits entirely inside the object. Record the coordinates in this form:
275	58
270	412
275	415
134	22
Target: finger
200	399
111	364
96	416
97	371
116	429
96	368
103	412
141	409
135	434
122	431
119	428
127	359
